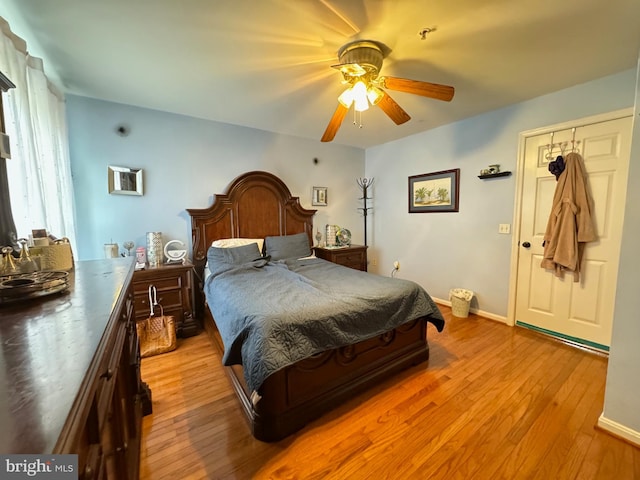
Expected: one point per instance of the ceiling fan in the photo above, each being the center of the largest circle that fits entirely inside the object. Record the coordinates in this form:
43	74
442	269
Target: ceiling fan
360	64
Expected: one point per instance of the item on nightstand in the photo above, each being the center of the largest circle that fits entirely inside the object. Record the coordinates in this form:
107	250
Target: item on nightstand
141	255
157	334
154	248
331	235
176	255
343	237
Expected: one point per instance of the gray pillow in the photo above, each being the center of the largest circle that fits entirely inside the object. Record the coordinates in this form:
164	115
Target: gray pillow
233	255
287	246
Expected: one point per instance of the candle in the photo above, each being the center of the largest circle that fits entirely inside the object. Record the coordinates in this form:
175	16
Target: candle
110	250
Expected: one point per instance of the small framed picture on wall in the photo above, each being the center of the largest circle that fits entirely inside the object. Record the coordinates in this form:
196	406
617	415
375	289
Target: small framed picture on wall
319	197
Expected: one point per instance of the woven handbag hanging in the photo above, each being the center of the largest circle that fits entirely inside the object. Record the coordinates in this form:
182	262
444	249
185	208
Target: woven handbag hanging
157	333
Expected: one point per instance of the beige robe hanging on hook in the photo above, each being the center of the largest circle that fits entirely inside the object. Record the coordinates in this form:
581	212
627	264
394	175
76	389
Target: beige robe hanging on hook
570	224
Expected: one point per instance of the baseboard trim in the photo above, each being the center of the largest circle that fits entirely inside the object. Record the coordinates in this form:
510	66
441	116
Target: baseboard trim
480	313
618	430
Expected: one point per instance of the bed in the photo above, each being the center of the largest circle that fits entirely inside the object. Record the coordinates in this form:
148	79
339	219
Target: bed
283	397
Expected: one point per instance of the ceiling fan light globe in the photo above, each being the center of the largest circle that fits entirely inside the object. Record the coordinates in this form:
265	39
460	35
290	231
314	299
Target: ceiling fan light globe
374	94
346	97
361	106
360	96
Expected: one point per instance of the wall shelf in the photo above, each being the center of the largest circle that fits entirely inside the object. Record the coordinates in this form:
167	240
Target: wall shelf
495	175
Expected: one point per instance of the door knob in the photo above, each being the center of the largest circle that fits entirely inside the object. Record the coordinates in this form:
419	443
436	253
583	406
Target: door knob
526	244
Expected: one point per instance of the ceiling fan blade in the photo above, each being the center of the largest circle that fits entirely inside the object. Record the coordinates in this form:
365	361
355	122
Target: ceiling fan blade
393	110
426	89
334	123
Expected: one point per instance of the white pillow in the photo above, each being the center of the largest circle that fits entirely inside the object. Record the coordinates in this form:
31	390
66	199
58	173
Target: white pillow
237	242
230	243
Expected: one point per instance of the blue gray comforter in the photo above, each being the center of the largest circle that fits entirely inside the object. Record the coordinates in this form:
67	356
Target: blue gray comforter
273	314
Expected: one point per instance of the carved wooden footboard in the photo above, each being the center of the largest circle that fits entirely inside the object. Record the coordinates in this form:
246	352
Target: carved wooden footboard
300	393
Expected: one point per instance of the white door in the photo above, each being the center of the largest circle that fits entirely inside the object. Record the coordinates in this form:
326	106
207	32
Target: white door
580	312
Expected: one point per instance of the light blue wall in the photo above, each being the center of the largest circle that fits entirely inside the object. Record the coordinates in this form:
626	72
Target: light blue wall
186	161
622	398
447	250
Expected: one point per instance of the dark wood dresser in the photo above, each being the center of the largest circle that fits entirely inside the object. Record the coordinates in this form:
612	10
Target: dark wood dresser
174	287
70	373
353	256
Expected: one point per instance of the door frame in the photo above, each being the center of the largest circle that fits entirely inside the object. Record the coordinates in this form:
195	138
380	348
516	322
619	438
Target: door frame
517	211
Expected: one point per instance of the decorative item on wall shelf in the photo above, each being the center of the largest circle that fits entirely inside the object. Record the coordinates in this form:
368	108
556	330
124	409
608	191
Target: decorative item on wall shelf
365	185
319	197
434	192
493	171
125	181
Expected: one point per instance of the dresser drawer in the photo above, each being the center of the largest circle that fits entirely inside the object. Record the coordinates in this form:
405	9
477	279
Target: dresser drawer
349	258
107	375
167	298
160	283
354	256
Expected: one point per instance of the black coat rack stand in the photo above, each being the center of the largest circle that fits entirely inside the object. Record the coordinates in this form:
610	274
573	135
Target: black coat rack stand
365	184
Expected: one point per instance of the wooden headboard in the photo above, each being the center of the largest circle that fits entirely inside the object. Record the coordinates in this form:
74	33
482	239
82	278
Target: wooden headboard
255	205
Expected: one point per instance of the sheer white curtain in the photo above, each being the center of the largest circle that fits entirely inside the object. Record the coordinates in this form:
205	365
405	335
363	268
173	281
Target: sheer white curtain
39	170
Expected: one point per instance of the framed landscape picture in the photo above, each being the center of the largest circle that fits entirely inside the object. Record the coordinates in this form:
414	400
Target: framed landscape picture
434	192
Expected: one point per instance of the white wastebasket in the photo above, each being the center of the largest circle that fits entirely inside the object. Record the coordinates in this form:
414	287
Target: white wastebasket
460	302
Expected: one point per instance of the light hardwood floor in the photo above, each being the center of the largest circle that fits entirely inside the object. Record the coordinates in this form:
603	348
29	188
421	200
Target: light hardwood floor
493	402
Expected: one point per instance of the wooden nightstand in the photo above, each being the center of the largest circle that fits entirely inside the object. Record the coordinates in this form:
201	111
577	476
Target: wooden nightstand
353	256
174	285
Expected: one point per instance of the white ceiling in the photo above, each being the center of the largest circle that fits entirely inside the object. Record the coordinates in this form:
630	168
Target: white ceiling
266	63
